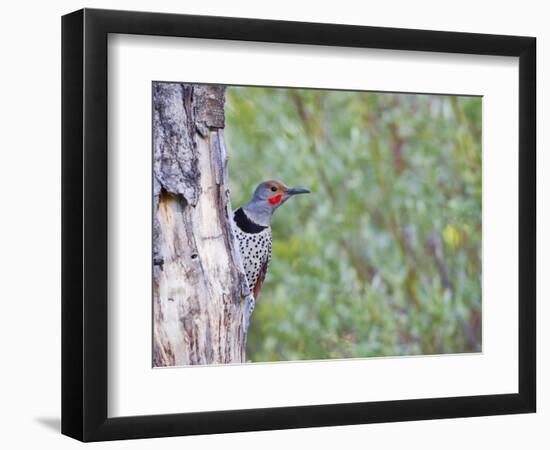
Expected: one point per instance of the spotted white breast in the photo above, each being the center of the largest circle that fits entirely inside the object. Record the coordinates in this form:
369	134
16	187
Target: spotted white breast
255	248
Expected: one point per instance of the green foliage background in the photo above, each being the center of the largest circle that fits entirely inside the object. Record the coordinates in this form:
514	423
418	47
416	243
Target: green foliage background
384	256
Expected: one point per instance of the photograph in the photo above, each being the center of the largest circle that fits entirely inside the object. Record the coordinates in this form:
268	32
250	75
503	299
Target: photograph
323	222
300	224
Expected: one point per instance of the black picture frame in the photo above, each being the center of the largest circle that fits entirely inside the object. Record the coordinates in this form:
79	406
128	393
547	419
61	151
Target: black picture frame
84	224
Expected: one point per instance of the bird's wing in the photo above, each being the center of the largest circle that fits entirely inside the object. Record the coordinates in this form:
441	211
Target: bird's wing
260	279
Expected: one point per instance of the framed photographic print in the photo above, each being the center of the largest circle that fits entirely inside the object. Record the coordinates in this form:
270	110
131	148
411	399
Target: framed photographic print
273	224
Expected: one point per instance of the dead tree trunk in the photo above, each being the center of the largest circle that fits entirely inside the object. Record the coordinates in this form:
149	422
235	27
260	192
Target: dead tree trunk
200	294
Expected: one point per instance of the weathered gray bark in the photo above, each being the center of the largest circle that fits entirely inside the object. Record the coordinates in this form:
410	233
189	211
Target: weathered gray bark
199	288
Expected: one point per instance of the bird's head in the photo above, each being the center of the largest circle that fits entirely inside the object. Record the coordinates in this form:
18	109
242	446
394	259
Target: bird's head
274	193
268	196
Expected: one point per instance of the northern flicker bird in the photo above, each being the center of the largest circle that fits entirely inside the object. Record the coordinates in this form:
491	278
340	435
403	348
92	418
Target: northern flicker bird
252	228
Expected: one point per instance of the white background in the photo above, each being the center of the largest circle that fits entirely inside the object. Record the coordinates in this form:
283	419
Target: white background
30	331
135	389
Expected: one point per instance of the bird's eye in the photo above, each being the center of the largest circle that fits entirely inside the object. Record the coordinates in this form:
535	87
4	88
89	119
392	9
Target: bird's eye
273	189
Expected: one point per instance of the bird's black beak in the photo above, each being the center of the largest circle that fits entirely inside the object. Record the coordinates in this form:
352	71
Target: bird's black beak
294	191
